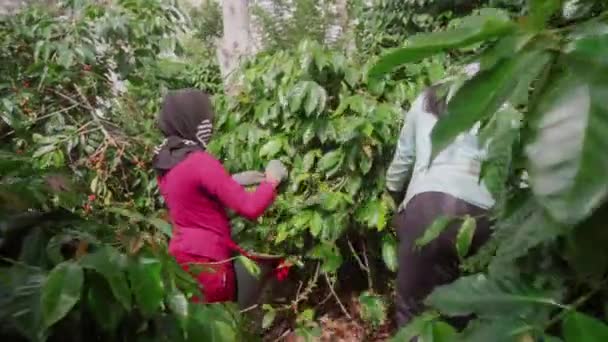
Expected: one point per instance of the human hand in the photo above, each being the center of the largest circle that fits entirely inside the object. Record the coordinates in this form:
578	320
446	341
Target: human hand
248	178
276	172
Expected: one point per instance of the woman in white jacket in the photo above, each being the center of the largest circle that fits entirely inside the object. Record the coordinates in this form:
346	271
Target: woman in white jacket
447	186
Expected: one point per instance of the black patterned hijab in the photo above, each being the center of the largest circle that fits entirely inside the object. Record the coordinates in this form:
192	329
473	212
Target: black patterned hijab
186	121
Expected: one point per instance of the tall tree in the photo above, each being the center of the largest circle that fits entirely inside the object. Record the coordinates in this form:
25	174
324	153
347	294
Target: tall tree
236	41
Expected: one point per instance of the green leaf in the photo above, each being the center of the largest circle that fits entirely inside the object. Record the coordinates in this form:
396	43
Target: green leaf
439	332
146	283
44	150
587	56
329	255
162	225
578	327
105	309
61	292
505	329
316	98
373	308
415	327
297	95
330	160
567	158
365	164
309	133
541	11
465	236
389	252
268	318
483	96
316	224
434	230
425	45
251	266
271	148
373	214
109	263
485	297
178	303
309	160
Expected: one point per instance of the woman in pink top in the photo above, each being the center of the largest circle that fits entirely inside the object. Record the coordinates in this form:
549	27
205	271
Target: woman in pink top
197	189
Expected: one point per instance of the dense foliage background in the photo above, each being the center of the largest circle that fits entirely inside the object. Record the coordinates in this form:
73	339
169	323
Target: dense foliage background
83	231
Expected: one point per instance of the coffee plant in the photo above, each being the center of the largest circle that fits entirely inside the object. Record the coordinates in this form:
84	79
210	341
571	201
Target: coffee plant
540	99
78	261
316	111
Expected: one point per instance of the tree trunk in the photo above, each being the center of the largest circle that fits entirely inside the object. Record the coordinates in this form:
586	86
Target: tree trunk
236	42
346	29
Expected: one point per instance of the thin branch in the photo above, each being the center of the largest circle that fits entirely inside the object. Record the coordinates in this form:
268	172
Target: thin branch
283	335
356	255
369	273
87	105
253	307
577	303
333	292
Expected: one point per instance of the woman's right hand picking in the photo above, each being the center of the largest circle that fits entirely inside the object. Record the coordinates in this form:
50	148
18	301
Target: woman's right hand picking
276	172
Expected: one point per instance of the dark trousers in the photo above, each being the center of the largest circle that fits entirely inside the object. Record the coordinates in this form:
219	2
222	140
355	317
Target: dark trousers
421	270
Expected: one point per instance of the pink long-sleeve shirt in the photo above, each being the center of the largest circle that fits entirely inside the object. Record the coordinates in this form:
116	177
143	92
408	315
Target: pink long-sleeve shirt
197	191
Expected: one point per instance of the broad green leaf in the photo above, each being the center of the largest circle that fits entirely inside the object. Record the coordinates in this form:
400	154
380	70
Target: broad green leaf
353	185
315	99
389	253
105	309
21	290
541	11
178	303
329	255
302	219
567	158
425	45
587	56
309	133
146	283
161	225
251	266
44	150
465	236
268	318
316	224
373	308
439	332
309	160
132	215
365	164
271	148
505	329
373	214
415	327
434	230
506	47
531	232
306	316
483	96
485	297
330	160
61	292
297	95
578	327
332	201
312	99
109	263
